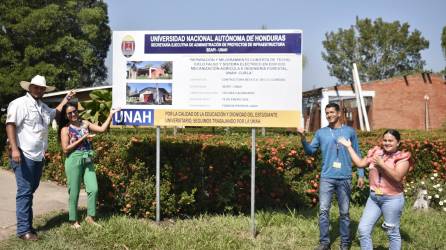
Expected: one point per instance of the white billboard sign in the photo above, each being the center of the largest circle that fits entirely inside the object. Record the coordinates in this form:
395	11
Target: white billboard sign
243	78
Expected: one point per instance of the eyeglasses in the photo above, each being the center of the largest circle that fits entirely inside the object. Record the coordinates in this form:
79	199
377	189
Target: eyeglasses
74	112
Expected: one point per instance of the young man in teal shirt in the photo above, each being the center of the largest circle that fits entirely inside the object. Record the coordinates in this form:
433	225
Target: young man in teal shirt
336	173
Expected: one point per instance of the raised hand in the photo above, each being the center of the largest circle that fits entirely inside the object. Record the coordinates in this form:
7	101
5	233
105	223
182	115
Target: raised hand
378	161
301	132
114	110
347	143
70	95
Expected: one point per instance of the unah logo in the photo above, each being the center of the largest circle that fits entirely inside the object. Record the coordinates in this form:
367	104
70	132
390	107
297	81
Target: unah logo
128	46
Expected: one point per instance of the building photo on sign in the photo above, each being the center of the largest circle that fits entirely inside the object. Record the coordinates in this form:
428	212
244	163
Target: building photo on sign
149	70
149	93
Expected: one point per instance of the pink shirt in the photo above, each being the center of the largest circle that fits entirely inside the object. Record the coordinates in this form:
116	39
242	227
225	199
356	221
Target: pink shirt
387	185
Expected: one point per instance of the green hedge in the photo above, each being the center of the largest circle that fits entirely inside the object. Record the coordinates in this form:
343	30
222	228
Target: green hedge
199	173
211	172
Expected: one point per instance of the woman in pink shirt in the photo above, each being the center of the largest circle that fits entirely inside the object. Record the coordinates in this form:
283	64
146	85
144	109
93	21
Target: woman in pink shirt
387	168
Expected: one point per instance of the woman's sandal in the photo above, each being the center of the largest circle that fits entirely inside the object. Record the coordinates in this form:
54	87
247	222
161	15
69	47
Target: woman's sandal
76	225
90	221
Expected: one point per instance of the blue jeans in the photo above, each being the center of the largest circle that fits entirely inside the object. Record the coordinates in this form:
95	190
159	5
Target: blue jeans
27	176
342	188
391	207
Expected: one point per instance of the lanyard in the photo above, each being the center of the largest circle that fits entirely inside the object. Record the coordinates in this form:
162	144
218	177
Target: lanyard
336	140
384	160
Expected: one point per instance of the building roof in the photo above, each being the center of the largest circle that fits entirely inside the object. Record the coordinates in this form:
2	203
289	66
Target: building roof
426	76
163	90
64	92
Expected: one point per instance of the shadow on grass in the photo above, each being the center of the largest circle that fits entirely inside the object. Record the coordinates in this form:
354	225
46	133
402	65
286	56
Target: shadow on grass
334	229
334	233
51	221
405	236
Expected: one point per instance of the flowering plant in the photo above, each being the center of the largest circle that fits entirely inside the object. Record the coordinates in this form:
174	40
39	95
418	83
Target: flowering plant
434	187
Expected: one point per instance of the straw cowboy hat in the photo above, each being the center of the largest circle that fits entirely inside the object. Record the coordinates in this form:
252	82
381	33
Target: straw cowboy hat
38	80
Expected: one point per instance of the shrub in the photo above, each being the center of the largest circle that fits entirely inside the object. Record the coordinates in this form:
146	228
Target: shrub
211	173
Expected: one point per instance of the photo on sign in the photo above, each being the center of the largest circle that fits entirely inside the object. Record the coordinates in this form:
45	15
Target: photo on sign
144	70
149	94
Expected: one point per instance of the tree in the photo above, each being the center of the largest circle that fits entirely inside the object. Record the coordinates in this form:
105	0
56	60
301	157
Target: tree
64	40
167	66
379	49
97	109
443	45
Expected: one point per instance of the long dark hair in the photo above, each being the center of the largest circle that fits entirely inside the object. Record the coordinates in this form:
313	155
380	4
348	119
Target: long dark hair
393	132
62	120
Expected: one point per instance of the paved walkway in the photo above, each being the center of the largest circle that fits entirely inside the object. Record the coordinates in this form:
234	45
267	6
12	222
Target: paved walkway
48	197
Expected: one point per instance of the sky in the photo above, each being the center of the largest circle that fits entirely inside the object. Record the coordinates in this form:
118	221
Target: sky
315	18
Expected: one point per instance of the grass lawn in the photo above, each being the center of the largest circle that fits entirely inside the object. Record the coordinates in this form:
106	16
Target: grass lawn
276	230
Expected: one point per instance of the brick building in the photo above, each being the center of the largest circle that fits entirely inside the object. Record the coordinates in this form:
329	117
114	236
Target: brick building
407	102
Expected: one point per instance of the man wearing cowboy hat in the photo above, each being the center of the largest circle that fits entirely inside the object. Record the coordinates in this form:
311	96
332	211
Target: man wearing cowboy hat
27	124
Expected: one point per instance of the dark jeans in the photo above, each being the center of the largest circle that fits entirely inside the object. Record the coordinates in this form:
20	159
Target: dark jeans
27	176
